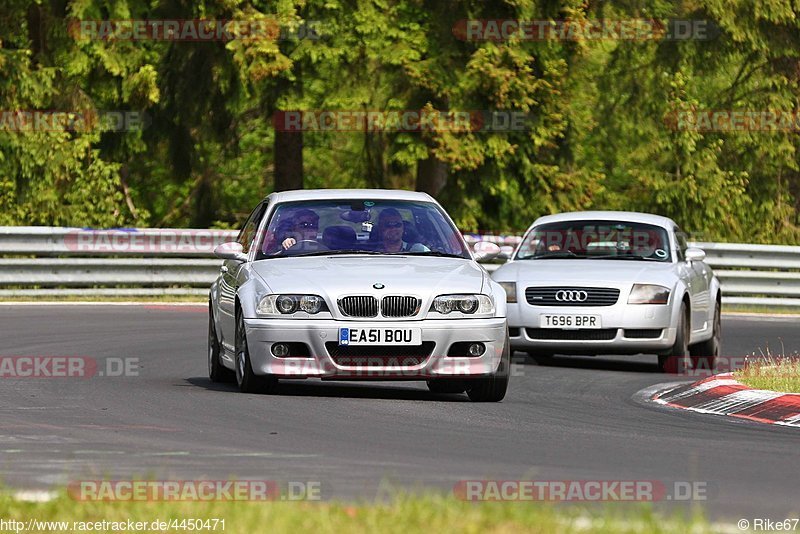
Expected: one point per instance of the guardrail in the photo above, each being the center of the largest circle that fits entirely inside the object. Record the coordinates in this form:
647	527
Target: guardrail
43	261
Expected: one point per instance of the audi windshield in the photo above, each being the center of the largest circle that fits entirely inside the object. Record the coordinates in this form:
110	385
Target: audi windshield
606	240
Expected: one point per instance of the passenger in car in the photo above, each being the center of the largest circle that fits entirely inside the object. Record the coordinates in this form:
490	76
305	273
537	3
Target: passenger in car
390	230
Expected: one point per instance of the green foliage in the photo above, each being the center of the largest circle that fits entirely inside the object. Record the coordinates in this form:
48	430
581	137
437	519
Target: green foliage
600	130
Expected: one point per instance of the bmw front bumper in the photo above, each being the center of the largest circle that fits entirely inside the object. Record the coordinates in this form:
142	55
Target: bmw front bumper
321	338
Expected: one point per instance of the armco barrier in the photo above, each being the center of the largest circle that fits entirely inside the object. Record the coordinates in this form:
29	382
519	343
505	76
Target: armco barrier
43	261
152	242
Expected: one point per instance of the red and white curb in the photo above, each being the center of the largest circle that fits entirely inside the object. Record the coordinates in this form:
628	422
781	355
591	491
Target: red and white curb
723	395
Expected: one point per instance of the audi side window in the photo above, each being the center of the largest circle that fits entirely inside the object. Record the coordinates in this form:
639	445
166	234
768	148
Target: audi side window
680	237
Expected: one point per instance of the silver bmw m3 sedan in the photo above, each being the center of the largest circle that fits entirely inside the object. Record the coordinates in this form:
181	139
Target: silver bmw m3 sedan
356	285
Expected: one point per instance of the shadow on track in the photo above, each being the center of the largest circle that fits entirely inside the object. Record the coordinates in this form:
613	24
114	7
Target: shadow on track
599	363
341	389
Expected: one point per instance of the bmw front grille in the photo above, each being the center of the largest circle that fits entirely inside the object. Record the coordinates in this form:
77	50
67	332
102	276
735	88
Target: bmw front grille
390	306
400	306
361	306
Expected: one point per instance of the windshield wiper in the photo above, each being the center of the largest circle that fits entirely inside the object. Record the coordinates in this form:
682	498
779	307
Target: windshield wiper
557	255
615	257
434	253
335	252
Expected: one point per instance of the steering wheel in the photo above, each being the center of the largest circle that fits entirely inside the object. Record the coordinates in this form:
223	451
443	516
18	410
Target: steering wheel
309	245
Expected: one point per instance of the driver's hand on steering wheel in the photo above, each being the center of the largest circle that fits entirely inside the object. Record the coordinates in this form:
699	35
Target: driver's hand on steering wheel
288	243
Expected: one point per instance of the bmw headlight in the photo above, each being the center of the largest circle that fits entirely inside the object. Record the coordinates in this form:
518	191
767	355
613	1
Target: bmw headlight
279	305
466	304
648	294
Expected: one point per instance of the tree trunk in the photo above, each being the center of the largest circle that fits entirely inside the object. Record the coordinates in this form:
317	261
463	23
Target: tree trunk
373	155
203	212
431	175
288	160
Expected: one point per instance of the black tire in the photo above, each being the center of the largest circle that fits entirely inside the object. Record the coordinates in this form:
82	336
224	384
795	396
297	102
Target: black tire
216	371
704	355
494	387
248	381
542	358
676	361
446	385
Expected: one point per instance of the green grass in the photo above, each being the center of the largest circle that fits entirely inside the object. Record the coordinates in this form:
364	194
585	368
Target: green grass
402	514
773	373
749	308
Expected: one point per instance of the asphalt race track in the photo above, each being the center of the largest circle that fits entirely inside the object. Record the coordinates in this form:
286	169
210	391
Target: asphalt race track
577	420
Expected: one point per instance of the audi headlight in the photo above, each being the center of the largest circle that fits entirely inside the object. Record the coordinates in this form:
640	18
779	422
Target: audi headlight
511	291
466	304
278	305
648	294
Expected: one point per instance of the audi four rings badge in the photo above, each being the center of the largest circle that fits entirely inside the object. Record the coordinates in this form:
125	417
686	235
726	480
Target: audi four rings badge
568	295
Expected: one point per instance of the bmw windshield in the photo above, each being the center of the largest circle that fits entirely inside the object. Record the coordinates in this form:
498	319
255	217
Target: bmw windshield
604	240
368	227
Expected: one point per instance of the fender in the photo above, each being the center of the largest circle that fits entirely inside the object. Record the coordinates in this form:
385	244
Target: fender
499	295
715	289
249	294
676	297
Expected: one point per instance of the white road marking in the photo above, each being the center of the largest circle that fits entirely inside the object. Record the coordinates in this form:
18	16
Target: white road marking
694	390
736	402
790	421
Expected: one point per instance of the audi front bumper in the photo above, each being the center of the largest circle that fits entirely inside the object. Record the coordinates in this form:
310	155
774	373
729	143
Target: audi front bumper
623	329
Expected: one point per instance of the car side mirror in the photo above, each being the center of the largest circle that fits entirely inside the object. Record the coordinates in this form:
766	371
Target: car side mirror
506	251
485	251
695	254
230	251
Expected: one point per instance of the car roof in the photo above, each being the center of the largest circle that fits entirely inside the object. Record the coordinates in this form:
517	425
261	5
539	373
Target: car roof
335	194
628	216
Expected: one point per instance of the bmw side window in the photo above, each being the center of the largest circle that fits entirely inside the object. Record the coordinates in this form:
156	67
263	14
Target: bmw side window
248	232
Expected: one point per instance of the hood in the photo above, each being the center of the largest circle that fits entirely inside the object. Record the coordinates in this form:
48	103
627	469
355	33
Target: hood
335	276
543	272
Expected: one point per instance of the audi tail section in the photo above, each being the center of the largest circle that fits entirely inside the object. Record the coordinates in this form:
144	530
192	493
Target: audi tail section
607	282
356	285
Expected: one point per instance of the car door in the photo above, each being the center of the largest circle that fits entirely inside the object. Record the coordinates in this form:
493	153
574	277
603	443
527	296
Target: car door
698	283
229	279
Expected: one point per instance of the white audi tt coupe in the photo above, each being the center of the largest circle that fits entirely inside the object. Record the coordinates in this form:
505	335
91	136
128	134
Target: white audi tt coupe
604	282
356	284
